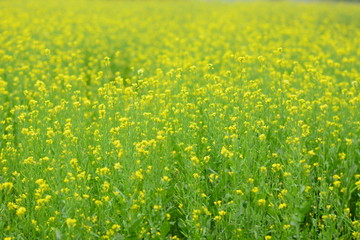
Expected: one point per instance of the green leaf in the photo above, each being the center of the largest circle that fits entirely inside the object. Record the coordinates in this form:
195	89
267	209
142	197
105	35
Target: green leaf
165	228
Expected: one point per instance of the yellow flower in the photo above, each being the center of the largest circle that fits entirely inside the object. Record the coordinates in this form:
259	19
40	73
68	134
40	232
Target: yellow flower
20	211
6	185
222	213
226	153
337	183
117	166
98	202
282	205
134	207
261	202
115	227
157	207
165	179
262	137
286	226
12	206
70	222
239	192
336	177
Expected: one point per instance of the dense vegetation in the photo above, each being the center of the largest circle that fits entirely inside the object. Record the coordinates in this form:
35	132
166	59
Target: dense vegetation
178	120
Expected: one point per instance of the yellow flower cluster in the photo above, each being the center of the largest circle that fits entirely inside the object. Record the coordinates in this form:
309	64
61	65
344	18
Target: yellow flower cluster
179	120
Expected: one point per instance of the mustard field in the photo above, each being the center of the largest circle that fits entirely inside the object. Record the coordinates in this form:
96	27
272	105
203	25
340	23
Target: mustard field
179	120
